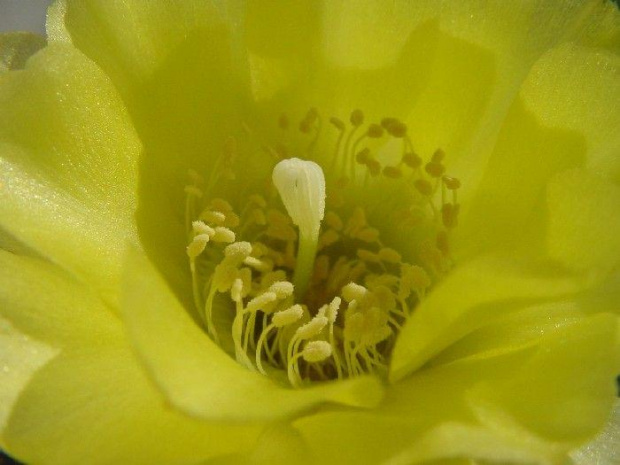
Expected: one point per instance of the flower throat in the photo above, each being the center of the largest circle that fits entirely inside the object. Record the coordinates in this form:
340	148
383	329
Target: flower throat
297	284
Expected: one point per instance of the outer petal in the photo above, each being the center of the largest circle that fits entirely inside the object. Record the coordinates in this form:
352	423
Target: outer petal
576	88
584	220
603	450
198	377
92	402
176	66
67	165
565	118
453	410
401	59
472	295
96	406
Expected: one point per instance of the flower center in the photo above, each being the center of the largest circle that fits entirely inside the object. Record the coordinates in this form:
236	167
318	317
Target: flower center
300	285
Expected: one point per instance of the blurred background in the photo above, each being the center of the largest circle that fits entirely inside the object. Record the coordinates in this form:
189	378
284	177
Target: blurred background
23	15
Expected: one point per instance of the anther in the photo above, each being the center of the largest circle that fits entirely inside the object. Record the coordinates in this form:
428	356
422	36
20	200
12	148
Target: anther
332	310
261	301
316	351
357	118
438	156
221	205
417	275
288	316
193	190
389	255
333	221
397	129
262	266
451	183
388	122
353	291
392	172
282	289
368	235
238	251
213	217
232	220
435	169
363	156
223	234
199	227
198	245
412	160
367	256
328	238
423	186
374	131
312	328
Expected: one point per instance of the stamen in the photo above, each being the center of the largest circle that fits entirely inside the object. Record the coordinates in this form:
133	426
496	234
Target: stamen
197	246
278	288
316	351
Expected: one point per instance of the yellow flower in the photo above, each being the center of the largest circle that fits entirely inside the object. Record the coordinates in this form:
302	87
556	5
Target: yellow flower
397	243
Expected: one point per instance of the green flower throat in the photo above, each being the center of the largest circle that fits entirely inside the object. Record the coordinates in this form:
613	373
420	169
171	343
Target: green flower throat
295	281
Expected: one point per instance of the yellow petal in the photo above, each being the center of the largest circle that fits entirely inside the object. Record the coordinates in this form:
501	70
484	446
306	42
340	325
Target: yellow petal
20	358
577	89
197	376
566	390
67	165
48	304
469	297
96	406
402	59
511	194
183	79
475	408
584	220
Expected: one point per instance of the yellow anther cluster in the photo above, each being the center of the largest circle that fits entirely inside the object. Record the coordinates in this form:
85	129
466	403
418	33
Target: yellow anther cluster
358	291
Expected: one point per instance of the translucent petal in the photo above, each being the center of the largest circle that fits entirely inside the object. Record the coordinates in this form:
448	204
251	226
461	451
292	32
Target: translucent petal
577	88
584	220
511	193
67	165
470	296
197	376
181	73
552	127
402	58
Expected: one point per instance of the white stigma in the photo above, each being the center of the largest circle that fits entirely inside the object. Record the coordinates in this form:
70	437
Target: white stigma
301	185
